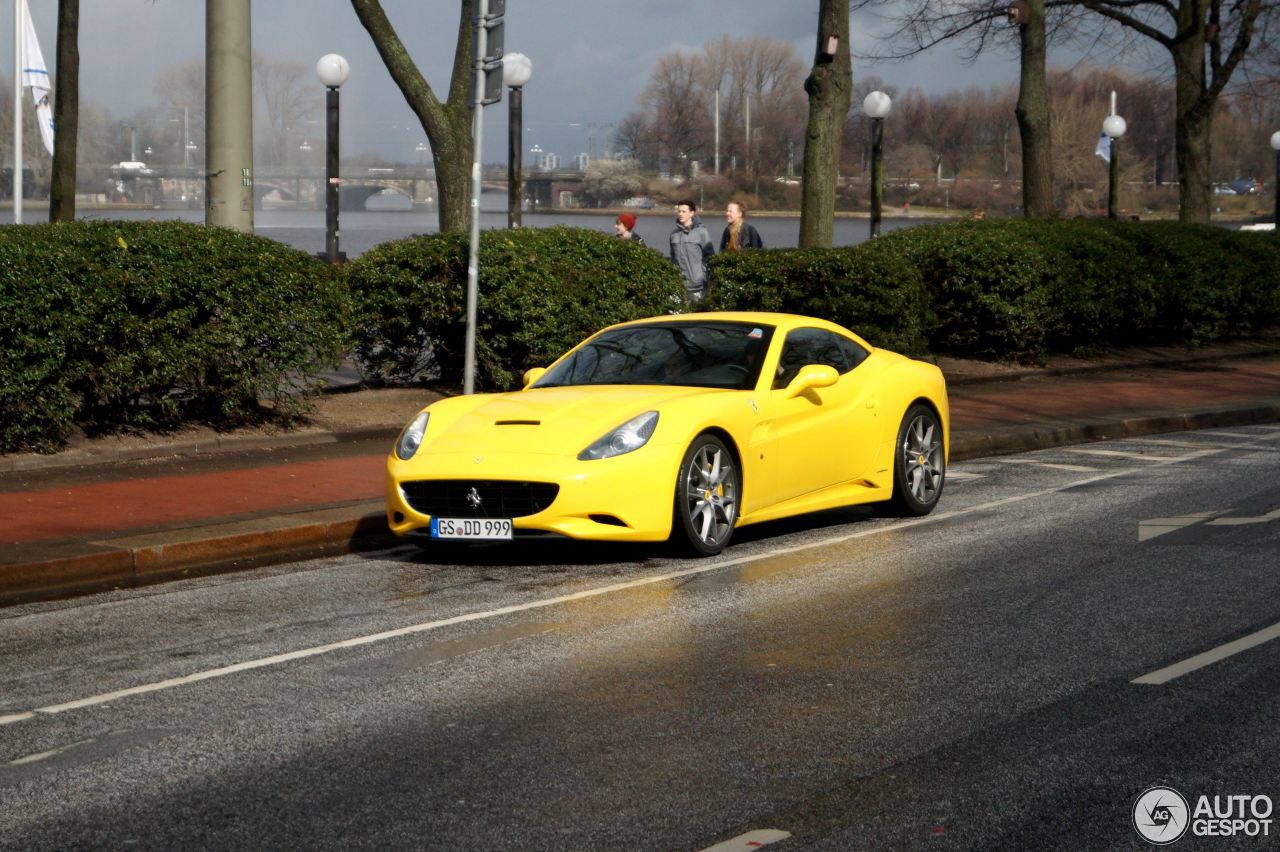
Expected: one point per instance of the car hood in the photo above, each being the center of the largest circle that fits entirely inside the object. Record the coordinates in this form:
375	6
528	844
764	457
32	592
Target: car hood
553	421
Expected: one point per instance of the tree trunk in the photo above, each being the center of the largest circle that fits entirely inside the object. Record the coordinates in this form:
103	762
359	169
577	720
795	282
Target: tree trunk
1033	118
830	88
1194	111
66	113
447	124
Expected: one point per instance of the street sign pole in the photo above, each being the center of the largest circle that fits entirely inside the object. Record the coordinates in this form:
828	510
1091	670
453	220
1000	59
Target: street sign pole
485	68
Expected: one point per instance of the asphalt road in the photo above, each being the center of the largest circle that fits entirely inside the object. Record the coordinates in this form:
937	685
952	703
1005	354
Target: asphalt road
994	676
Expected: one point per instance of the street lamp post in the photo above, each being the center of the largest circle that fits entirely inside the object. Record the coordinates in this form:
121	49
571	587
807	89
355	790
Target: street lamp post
516	71
1275	146
332	70
877	105
1114	126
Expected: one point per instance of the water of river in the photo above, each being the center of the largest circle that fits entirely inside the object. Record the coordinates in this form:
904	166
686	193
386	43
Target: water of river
362	230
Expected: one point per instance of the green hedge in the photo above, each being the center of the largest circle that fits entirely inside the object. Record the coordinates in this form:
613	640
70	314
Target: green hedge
873	290
1017	290
541	290
110	325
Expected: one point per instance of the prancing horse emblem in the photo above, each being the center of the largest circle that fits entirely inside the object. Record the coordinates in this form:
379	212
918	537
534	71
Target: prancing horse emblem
474	500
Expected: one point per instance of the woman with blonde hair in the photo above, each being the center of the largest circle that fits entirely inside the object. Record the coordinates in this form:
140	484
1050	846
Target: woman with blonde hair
738	234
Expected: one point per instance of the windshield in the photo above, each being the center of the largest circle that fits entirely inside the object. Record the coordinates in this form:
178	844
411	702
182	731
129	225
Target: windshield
705	355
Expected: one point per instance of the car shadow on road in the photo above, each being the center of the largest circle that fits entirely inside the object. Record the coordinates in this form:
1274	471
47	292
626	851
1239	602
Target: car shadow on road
558	552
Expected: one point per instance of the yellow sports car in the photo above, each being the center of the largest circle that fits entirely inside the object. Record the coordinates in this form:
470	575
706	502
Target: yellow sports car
680	427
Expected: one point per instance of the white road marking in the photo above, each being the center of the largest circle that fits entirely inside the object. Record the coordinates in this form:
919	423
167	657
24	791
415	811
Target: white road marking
1199	661
1228	434
1076	468
962	476
1238	521
1123	455
1155	527
751	840
355	642
45	755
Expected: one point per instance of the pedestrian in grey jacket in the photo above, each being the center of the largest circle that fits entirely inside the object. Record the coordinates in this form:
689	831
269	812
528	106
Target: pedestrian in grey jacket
691	247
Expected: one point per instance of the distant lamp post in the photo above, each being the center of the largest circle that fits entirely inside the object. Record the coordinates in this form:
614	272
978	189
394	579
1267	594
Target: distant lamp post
877	105
421	148
147	151
1114	126
332	70
516	71
188	151
1275	146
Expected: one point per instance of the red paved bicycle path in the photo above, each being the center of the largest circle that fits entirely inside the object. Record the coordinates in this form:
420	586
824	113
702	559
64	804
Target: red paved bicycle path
97	510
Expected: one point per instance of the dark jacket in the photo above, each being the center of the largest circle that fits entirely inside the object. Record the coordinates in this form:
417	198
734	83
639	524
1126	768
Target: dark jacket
749	238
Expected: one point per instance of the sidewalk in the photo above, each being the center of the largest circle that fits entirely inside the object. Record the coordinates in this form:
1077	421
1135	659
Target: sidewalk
131	513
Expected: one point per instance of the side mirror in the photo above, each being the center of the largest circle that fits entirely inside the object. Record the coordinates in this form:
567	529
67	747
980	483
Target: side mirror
812	376
533	374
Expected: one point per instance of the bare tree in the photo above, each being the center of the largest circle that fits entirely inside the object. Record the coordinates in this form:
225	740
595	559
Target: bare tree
979	25
66	114
830	88
447	123
287	97
680	116
1207	43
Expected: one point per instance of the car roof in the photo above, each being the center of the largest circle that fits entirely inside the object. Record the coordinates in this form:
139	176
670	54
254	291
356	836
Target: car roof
780	321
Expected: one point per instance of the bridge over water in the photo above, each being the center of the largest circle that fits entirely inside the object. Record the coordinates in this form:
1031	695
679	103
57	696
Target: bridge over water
304	188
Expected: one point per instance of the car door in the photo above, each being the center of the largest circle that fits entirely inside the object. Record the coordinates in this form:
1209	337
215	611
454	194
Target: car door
823	436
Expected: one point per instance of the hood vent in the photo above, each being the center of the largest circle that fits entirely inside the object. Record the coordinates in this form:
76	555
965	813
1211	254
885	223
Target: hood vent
517	423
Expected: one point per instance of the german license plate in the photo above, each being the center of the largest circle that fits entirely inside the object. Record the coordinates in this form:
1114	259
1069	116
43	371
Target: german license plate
472	529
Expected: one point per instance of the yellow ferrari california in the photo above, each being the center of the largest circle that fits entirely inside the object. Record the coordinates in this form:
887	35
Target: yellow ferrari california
682	427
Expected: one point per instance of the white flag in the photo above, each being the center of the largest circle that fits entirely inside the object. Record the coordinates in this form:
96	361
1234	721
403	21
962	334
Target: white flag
1104	147
36	75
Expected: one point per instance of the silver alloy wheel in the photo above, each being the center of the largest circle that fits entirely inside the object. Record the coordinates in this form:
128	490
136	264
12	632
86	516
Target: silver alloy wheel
711	494
922	458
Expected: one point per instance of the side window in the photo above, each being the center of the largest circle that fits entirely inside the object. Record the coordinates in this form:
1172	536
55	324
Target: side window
853	353
811	346
816	346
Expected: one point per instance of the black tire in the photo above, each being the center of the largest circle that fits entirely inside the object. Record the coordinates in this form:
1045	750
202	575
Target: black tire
708	488
919	463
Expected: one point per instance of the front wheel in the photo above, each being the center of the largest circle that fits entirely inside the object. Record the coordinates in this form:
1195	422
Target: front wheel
707	490
919	463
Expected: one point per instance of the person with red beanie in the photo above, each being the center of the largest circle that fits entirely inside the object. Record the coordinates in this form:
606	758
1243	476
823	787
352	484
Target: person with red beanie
625	227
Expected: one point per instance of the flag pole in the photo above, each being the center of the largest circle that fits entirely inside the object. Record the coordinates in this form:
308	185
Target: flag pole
17	112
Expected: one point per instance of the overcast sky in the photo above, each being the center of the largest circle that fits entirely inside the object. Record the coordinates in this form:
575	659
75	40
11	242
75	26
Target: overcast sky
591	58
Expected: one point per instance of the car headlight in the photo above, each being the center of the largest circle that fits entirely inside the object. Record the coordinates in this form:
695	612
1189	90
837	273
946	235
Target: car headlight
632	435
411	437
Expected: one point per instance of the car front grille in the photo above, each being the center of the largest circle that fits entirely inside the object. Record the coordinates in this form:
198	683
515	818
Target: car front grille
453	498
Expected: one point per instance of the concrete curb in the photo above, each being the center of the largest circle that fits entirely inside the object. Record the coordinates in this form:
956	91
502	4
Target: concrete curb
130	561
137	560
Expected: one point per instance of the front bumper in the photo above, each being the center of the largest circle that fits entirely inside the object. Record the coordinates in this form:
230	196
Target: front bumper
625	498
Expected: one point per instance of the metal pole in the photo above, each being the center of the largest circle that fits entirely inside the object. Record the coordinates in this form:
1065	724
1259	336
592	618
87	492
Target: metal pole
332	181
473	256
17	113
515	168
717	130
1113	181
1277	188
877	173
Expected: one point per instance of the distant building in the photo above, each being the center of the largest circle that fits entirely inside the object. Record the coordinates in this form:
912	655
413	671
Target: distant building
581	162
550	161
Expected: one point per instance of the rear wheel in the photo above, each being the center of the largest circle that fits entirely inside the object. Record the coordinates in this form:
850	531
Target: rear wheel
707	491
919	463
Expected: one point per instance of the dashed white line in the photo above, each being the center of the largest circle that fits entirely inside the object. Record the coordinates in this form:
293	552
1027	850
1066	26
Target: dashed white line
751	840
1199	661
